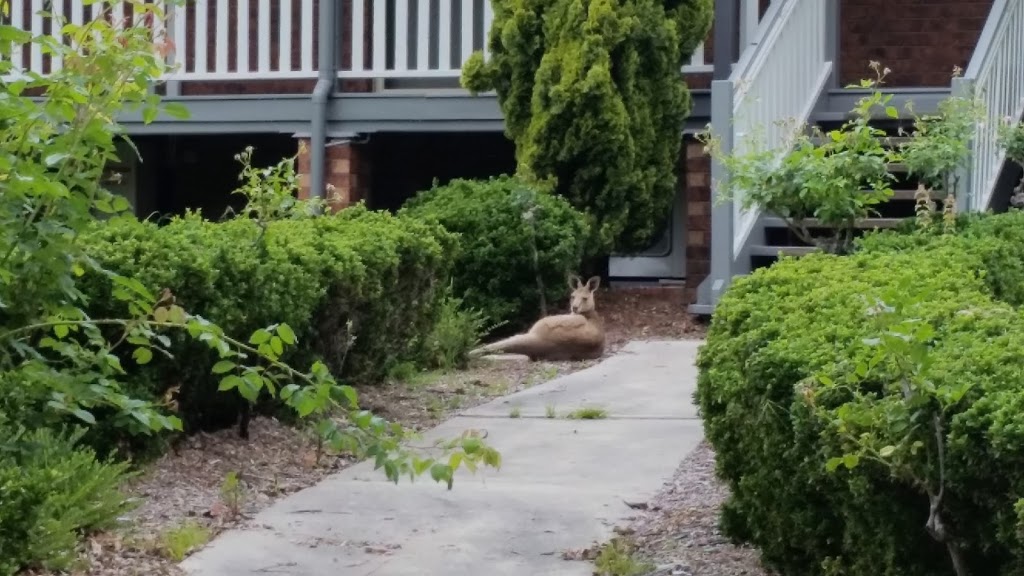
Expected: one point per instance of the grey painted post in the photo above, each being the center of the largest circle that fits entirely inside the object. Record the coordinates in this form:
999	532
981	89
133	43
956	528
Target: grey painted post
722	209
964	88
327	77
750	16
726	34
832	35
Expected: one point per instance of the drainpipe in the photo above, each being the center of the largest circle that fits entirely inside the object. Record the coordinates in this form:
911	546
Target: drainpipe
326	79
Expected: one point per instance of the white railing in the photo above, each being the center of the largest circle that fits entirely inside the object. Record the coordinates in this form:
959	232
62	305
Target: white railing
31	15
996	75
775	86
215	40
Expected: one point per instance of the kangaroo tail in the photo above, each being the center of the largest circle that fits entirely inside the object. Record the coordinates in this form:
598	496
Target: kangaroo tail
518	344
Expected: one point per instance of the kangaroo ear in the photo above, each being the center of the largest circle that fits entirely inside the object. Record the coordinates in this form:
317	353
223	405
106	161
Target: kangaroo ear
574	281
593	283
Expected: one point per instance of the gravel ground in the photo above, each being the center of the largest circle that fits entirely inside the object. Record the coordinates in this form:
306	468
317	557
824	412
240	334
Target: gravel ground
679	530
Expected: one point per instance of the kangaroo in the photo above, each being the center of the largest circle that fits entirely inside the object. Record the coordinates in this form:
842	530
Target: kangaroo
575	336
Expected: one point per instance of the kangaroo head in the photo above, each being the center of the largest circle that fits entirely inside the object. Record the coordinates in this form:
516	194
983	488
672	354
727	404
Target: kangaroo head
582	299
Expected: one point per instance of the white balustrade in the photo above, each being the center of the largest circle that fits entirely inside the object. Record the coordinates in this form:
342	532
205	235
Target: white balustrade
996	72
776	84
281	34
44	19
417	38
215	40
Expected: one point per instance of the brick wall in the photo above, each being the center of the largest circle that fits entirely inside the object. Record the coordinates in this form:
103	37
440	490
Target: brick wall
919	40
697	171
348	173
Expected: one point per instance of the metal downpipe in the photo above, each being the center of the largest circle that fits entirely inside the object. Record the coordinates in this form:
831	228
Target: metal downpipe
326	79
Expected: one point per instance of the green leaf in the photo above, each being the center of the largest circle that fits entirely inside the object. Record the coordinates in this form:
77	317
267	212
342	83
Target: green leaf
84	416
350	395
886	451
176	110
892	112
455	460
851	461
142	417
142	355
56	158
471	445
259	337
223	366
306	405
286	334
248	390
421	466
230	382
492	458
440	472
161	315
61	330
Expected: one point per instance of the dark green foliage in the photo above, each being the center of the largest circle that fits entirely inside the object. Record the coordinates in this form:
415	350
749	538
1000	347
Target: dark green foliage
994	240
383	274
774	427
592	95
50	492
509	235
456	333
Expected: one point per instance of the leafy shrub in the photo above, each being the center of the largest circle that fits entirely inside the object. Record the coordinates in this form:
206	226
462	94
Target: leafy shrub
57	362
591	96
780	327
517	245
994	240
348	285
50	492
853	400
837	180
456	332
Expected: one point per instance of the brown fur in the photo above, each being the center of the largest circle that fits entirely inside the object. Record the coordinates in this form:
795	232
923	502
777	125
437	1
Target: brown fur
578	335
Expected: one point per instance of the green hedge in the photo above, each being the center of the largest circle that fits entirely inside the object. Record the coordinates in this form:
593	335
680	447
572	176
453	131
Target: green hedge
994	240
383	273
51	491
779	326
495	269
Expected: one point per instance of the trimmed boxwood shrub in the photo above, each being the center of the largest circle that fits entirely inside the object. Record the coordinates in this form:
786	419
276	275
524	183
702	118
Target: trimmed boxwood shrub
510	233
779	327
383	273
995	240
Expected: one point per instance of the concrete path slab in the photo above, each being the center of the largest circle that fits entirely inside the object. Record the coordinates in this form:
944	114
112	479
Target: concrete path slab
562	485
644	380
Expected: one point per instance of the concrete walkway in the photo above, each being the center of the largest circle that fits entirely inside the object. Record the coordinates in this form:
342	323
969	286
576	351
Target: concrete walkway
562	485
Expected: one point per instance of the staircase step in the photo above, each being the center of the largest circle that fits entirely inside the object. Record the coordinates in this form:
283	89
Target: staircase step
891	141
760	250
864	224
909	193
